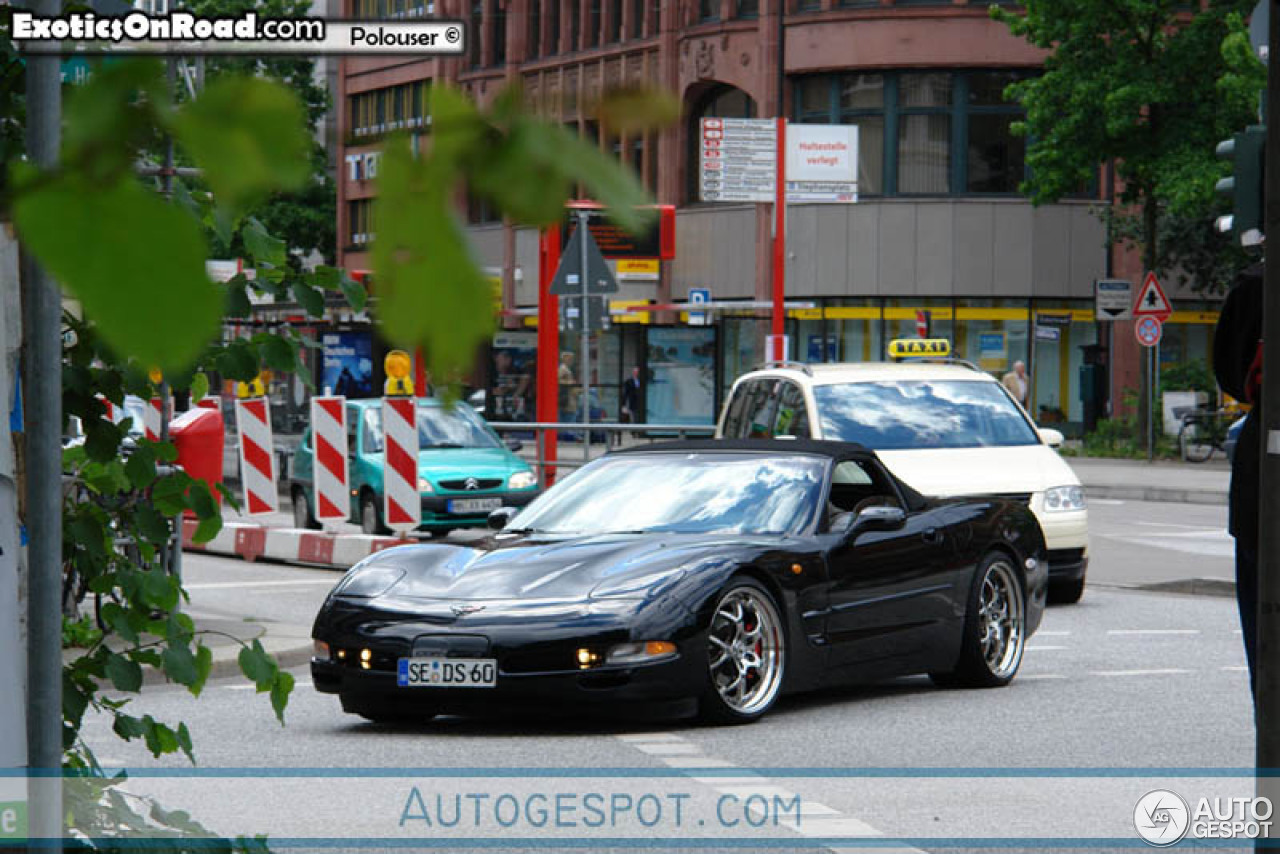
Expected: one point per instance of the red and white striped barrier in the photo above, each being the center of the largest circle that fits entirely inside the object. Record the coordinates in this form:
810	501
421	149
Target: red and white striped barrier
329	438
401	502
153	418
292	545
257	459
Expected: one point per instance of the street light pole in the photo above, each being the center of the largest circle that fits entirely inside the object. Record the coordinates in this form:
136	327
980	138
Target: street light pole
586	337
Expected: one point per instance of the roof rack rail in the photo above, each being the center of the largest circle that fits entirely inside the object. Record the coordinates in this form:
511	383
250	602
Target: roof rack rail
797	366
941	360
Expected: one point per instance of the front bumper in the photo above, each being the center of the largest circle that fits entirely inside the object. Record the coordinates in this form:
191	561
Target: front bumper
435	507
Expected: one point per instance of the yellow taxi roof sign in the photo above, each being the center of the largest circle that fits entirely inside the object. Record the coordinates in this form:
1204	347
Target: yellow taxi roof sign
904	348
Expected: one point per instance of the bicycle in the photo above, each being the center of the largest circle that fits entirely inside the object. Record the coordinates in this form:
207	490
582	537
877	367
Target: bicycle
1203	431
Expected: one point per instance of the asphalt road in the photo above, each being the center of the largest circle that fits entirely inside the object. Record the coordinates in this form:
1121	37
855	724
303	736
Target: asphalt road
1124	693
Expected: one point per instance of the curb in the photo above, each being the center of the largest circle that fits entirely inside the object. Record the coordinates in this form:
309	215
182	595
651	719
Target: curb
1162	494
1220	587
290	545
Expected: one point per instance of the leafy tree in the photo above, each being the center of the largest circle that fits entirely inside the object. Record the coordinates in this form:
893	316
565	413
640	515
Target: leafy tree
1149	85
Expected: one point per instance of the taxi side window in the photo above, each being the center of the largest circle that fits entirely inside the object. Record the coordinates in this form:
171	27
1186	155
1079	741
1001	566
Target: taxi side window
748	411
791	415
353	415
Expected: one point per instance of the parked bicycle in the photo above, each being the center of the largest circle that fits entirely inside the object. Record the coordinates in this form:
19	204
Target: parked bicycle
1204	431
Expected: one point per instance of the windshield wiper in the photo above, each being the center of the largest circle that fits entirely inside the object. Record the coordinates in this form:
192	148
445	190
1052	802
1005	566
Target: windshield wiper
444	445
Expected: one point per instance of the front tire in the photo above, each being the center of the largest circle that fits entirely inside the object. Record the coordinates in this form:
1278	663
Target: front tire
302	516
746	654
371	516
995	628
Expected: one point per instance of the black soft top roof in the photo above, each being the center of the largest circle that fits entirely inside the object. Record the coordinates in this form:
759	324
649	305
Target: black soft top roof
837	451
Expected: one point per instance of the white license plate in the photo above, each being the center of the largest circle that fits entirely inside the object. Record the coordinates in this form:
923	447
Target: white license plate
447	673
473	505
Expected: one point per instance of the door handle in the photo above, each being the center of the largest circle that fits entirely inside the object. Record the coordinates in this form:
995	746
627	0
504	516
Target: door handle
932	536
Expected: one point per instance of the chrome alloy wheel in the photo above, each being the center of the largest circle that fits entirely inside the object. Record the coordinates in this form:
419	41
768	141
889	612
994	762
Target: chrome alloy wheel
745	650
1001	619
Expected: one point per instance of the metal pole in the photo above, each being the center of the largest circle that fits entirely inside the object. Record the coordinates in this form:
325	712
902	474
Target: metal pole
586	340
42	361
1267	698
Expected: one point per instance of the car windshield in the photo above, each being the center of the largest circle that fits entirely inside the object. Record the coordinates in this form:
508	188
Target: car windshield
682	493
922	414
438	427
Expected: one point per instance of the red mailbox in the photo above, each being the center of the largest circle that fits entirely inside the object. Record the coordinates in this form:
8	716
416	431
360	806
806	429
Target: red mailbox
198	435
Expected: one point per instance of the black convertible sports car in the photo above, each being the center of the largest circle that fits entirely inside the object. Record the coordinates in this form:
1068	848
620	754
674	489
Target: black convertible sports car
700	576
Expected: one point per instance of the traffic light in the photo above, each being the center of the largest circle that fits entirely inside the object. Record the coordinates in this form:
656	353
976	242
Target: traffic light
1246	151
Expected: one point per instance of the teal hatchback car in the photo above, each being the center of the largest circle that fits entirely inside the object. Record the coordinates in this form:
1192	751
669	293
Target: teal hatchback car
464	470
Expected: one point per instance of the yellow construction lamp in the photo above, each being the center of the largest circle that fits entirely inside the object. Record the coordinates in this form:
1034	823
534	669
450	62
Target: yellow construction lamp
398	366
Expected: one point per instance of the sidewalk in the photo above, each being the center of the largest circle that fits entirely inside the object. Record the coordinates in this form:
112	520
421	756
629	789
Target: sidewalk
1136	480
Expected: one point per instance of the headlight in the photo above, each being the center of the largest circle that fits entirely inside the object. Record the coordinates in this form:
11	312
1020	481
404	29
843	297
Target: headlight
424	485
521	480
1060	499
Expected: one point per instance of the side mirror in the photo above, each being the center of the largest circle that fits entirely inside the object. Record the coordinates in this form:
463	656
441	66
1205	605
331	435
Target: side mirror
499	518
514	445
878	518
1052	438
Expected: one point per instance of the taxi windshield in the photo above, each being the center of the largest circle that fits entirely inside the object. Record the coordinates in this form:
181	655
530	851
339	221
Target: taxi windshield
902	415
682	493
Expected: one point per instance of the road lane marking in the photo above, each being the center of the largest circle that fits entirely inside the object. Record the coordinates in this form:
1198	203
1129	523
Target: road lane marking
1167	671
667	748
1047	634
227	585
696	762
1236	668
640	737
1153	631
1107	502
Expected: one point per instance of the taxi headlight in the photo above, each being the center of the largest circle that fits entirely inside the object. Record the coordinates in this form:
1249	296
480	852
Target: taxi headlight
521	480
424	485
1060	499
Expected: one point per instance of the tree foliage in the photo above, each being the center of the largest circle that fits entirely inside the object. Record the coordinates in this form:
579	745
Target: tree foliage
1150	85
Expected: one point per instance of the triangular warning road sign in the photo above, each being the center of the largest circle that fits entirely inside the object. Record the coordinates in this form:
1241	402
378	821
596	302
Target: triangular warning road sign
600	278
1151	301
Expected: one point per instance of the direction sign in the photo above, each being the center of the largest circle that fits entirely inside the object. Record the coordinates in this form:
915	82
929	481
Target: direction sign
1113	299
698	296
1151	301
1148	330
739	160
568	281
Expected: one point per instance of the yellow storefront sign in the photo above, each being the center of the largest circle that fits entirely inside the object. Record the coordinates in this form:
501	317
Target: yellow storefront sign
638	266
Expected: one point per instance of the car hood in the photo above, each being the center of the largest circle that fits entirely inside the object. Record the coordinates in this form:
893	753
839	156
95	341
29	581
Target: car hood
980	471
470	462
528	569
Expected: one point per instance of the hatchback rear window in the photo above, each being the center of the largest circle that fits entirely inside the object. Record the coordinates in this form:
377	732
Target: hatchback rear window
922	414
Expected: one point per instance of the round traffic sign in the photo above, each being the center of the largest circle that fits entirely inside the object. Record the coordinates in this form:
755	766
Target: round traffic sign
1148	330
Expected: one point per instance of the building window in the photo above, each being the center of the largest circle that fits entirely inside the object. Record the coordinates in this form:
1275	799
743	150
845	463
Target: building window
594	14
475	48
808	5
637	18
380	111
359	222
479	210
708	10
615	21
923	133
747	8
533	49
498	32
553	27
575	25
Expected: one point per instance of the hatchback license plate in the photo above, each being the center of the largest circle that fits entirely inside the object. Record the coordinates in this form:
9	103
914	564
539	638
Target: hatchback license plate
447	673
473	505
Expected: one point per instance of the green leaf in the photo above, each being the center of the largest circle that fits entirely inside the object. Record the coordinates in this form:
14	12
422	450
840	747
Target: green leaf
608	182
102	441
128	727
430	289
279	353
281	687
249	136
199	386
237	362
264	248
238	304
207	529
159	589
166	452
124	674
118	619
141	466
105	119
456	126
180	818
328	278
228	496
355	293
259	667
202	499
180	664
152	301
311	300
160	738
152	525
632	109
204	666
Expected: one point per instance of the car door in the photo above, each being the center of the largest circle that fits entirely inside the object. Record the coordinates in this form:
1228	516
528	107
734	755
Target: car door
890	590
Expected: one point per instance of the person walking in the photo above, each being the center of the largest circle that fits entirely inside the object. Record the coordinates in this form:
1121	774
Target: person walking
1237	365
632	389
1016	382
